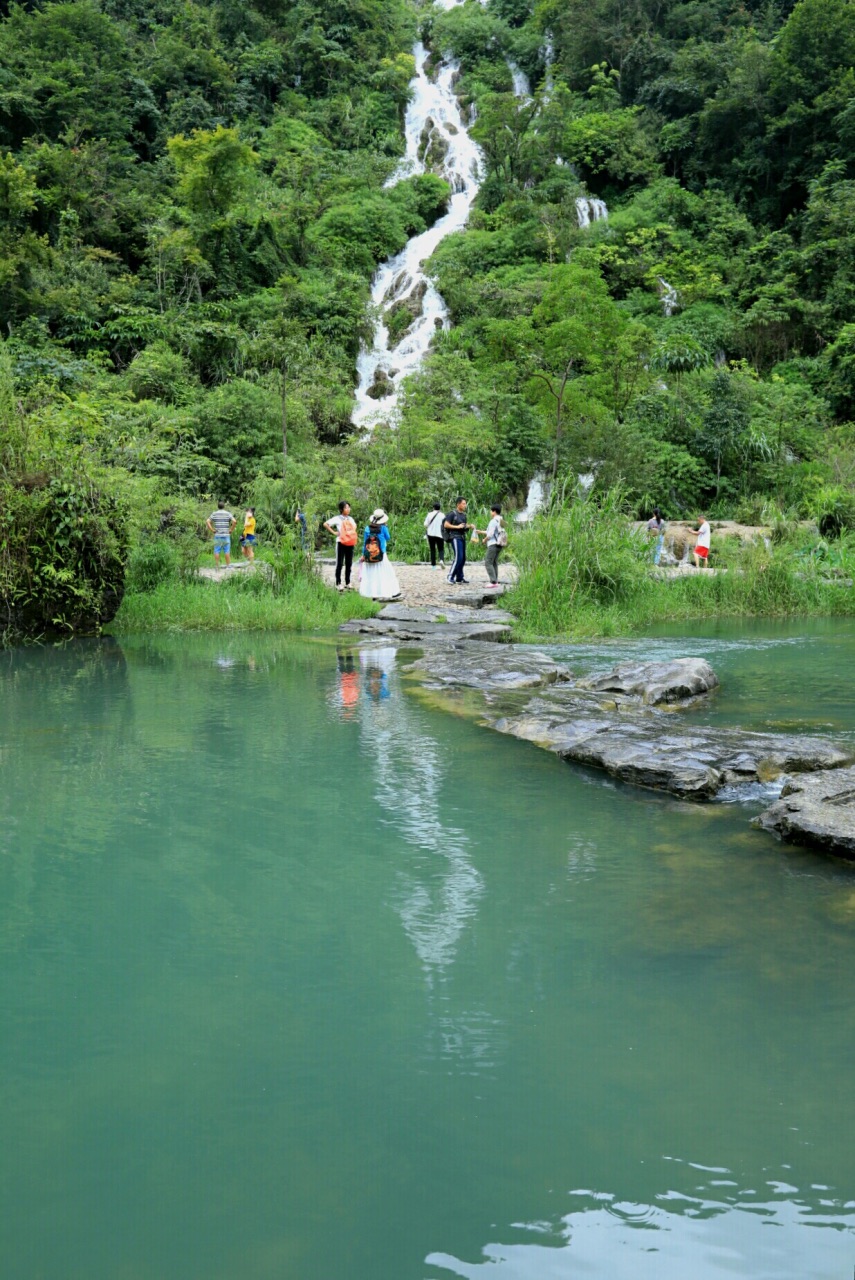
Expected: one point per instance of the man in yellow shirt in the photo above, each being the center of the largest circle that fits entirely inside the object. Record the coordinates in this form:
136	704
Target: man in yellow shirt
247	542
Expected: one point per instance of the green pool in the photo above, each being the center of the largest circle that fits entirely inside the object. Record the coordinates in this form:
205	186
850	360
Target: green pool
301	978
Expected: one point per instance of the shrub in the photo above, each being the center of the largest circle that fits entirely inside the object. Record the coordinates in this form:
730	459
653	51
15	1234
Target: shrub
152	564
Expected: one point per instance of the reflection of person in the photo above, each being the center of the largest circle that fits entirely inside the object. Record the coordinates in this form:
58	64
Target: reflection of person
494	549
702	548
344	527
656	527
377	684
247	542
378	580
348	685
433	529
300	519
455	528
221	522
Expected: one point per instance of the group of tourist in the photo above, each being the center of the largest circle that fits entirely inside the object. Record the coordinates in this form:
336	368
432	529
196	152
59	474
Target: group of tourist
377	578
443	530
222	523
656	528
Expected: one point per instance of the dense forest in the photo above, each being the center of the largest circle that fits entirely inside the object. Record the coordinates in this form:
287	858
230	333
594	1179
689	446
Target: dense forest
192	206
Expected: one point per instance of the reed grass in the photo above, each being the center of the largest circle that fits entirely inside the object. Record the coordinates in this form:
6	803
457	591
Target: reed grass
584	572
284	594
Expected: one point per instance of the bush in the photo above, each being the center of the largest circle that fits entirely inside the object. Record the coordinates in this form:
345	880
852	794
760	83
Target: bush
152	564
582	554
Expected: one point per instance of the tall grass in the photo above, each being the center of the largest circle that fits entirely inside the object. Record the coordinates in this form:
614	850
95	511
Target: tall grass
584	572
284	594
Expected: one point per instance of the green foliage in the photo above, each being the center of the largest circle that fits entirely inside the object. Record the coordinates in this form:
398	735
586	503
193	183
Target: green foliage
152	564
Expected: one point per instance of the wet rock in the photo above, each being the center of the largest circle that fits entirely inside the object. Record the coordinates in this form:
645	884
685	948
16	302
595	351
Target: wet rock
631	736
657	682
447	627
403	314
646	748
427	632
818	810
440	615
470	668
433	146
381	386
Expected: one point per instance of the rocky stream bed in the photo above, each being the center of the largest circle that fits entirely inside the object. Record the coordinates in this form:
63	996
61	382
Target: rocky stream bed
628	722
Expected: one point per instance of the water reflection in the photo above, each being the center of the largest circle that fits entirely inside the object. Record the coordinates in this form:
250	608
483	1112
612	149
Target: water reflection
703	1237
438	891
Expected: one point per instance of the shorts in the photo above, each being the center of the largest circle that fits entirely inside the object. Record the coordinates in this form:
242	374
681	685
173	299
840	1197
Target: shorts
248	540
222	544
703	552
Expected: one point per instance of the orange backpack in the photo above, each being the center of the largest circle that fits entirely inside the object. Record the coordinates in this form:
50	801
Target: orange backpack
347	532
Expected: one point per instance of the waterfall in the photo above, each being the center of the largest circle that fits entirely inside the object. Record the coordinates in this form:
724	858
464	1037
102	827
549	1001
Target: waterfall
668	294
522	88
436	138
535	499
589	210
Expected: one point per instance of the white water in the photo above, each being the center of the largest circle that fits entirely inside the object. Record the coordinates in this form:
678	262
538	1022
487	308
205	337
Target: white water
589	209
668	294
535	499
399	277
522	88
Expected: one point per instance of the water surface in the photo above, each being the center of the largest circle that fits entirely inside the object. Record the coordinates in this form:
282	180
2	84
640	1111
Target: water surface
302	977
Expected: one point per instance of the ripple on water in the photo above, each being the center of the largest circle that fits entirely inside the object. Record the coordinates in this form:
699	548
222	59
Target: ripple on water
679	1237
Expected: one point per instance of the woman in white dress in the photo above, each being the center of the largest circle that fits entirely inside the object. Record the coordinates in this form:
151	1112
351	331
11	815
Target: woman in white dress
377	580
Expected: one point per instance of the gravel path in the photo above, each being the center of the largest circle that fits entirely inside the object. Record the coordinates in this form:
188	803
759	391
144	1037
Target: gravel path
422	585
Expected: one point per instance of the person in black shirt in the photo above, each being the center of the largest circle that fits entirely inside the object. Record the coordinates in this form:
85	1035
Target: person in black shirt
455	529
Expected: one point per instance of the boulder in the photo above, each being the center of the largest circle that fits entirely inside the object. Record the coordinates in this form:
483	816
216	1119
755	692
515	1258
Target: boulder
381	386
656	682
818	810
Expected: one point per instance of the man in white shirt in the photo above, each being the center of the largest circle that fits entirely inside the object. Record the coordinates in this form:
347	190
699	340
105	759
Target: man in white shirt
494	544
221	522
702	549
433	529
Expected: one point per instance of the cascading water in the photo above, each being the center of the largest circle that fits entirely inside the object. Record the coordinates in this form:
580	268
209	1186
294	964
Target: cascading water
668	294
535	498
589	210
522	88
436	137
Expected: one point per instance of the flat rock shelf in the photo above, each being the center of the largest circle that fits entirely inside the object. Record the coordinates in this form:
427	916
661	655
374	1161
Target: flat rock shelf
626	722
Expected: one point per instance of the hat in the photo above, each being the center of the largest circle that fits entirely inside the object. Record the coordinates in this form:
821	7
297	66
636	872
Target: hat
378	517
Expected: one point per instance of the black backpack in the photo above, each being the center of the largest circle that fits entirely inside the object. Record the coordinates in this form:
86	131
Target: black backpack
373	551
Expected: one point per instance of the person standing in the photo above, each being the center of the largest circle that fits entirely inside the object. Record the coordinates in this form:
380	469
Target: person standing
496	538
344	527
436	542
247	542
455	528
378	580
300	519
656	527
221	522
702	547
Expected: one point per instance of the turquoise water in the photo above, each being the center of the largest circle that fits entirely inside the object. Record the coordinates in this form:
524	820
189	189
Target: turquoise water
301	977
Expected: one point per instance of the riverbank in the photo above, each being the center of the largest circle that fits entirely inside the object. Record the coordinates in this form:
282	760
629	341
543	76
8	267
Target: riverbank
242	603
586	573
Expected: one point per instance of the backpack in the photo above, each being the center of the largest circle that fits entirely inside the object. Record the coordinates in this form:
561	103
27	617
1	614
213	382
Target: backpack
501	536
347	532
373	551
449	535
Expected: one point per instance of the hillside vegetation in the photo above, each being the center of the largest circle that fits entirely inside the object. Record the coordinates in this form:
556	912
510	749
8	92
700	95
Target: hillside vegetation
192	205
